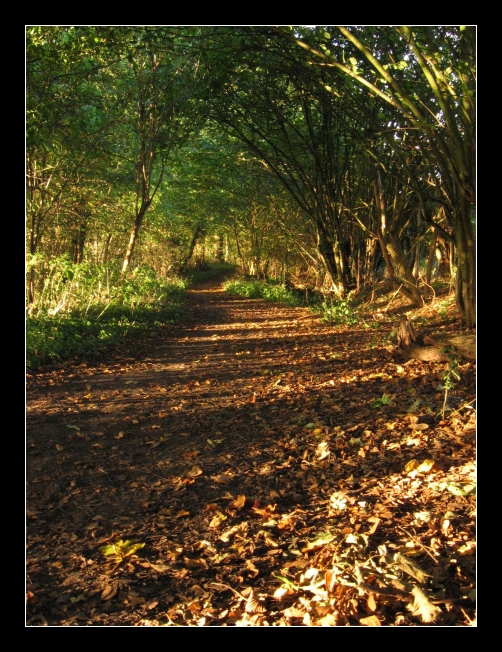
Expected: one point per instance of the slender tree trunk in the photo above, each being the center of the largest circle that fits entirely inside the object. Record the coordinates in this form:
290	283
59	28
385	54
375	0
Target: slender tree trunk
133	238
196	235
78	240
430	259
325	248
465	282
107	248
416	267
220	254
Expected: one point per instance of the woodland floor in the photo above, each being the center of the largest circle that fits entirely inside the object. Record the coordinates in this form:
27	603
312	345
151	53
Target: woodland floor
245	450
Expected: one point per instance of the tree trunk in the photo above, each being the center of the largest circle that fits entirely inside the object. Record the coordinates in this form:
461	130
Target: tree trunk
393	253
430	259
78	240
465	282
107	248
416	268
325	249
133	238
196	235
220	254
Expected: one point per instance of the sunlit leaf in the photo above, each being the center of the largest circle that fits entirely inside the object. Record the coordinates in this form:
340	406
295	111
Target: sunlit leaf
194	472
422	608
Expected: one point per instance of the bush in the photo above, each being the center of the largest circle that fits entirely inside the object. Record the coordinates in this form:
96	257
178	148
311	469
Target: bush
262	290
91	313
340	313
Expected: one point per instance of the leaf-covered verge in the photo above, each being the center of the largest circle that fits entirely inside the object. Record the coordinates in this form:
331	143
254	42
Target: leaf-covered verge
254	467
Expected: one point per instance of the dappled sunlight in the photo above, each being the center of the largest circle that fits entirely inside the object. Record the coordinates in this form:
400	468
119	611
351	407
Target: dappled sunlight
223	428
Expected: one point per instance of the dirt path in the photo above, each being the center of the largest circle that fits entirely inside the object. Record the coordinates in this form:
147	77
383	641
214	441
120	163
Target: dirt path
154	447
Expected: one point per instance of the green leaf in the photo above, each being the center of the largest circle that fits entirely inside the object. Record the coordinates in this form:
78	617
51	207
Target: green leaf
327	35
310	426
109	549
461	488
129	550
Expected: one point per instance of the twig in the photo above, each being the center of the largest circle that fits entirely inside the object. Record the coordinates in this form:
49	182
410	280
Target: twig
462	407
393	297
226	586
424	548
391	593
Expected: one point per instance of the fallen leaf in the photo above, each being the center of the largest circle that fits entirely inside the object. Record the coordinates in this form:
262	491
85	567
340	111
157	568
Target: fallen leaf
109	592
370	621
410	567
217	520
239	502
222	478
195	563
189	455
422	608
468	548
426	466
293	612
371	602
194	472
182	513
329	620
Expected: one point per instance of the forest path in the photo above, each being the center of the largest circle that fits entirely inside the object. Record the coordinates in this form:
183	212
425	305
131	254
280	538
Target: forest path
156	444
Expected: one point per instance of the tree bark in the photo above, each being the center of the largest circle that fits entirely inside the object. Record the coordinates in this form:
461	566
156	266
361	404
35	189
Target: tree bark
133	237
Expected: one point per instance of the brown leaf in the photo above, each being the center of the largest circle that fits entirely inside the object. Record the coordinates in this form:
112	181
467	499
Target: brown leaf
370	621
194	472
422	608
410	567
293	612
222	478
329	620
239	502
109	591
254	606
195	563
190	454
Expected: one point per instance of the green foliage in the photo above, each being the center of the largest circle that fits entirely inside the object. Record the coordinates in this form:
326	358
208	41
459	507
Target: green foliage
340	313
215	269
379	402
450	374
262	290
86	311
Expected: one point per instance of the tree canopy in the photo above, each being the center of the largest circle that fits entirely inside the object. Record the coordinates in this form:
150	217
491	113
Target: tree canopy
341	152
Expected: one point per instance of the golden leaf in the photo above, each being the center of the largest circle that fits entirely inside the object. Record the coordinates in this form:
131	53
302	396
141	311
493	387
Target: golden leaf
194	472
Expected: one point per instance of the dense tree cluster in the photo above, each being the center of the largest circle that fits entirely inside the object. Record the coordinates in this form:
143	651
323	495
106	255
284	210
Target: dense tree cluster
332	153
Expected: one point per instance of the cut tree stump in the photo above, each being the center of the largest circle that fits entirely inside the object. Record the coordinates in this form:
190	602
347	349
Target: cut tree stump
418	346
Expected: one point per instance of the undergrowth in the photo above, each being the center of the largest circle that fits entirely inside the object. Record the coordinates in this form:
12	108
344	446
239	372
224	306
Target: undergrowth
336	312
83	311
262	290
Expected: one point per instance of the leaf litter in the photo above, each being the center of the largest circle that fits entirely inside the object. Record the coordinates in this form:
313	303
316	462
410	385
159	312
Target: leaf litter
295	488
